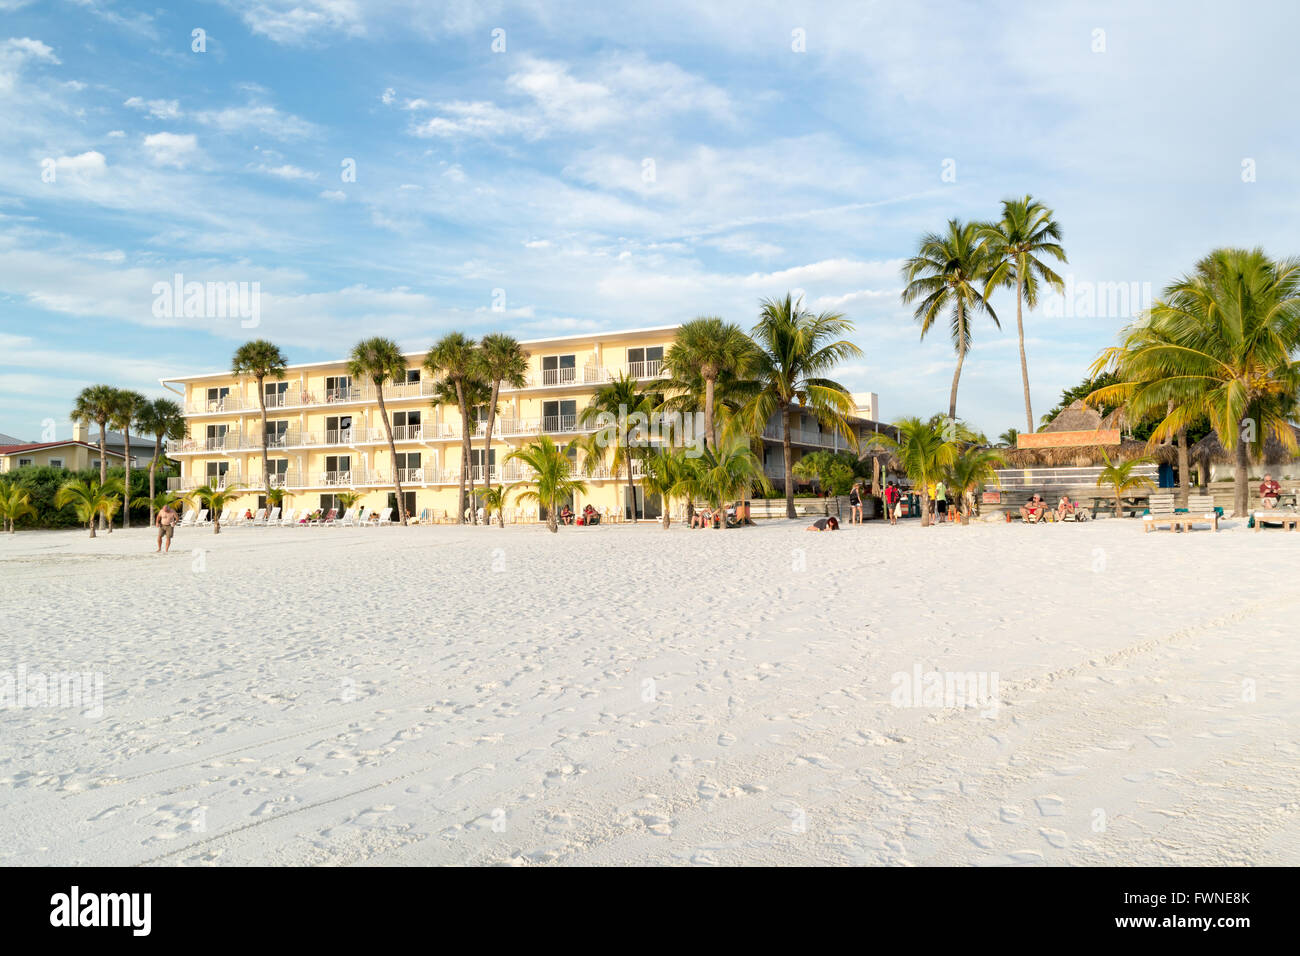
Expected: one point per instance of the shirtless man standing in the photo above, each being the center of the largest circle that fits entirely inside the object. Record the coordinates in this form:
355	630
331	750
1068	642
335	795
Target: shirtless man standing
166	521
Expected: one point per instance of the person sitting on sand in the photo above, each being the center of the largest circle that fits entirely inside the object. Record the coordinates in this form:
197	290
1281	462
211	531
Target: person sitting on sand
1269	490
702	518
248	514
590	515
1065	507
825	524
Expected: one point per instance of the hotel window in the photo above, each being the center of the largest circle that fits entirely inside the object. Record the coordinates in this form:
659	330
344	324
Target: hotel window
412	376
338	388
56	462
338	429
24	462
408	466
559	416
338	469
559	369
217	398
216	437
276	394
645	362
277	434
406	426
476	460
217	470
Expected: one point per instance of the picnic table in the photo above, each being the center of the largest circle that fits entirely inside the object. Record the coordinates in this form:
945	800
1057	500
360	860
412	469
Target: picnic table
1133	503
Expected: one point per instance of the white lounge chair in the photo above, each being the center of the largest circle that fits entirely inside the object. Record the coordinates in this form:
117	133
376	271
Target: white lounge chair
288	520
259	518
362	515
349	517
202	519
189	518
385	517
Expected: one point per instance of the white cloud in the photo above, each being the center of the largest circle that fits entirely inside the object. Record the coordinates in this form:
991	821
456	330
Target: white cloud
116	134
25	48
91	162
158	109
416	104
259	118
334	195
478	118
288	172
388	96
172	149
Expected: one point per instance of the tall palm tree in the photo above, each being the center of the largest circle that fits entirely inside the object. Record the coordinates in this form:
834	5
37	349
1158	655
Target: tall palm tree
379	360
95	403
925	452
1120	478
795	351
704	350
553	479
501	361
15	503
615	408
90	499
1219	343
126	411
215	500
943	277
454	360
262	360
1018	244
163	419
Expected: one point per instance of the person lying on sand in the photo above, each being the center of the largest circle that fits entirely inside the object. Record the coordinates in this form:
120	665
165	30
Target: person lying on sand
825	524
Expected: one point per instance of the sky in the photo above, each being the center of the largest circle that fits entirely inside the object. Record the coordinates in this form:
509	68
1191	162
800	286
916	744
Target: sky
405	168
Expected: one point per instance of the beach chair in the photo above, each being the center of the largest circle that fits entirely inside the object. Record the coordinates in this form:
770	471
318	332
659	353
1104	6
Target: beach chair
345	519
1289	521
289	518
385	517
202	519
327	518
1160	511
187	520
272	518
259	519
1200	508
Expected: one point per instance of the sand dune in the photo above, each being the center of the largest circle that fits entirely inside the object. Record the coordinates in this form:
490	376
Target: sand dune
624	695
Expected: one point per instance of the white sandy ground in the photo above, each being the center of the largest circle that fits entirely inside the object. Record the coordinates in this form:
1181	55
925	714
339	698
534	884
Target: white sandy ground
474	695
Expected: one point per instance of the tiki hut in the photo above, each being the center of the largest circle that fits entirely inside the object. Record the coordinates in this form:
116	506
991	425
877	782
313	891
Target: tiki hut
1079	417
1209	452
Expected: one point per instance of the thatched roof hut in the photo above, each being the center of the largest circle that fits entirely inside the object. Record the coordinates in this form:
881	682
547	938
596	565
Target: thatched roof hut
1210	449
1078	417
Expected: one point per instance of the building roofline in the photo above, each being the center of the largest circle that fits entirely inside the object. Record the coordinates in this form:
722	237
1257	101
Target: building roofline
526	343
41	446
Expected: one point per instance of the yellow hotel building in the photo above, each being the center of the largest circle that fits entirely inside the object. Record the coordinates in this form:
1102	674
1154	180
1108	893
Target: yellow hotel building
325	433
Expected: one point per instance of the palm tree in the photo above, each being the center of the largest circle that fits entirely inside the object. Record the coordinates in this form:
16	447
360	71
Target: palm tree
942	277
706	349
615	410
1018	244
666	471
552	480
163	419
215	500
795	350
95	403
1119	476
379	360
1219	343
973	468
925	454
14	504
348	499
501	361
90	499
165	498
1009	438
126	411
262	360
494	503
727	472
454	360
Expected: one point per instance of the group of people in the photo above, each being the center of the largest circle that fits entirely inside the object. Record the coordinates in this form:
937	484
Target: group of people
735	516
590	516
1035	509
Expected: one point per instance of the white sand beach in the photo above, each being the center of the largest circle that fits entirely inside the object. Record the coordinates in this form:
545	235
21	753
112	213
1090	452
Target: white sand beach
625	695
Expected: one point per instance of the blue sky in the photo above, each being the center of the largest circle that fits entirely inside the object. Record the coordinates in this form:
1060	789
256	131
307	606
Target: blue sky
633	166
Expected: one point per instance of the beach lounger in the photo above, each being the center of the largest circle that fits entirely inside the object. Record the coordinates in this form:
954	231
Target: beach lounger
290	518
327	518
187	521
202	519
1200	508
1160	511
273	518
385	517
346	518
1289	521
258	519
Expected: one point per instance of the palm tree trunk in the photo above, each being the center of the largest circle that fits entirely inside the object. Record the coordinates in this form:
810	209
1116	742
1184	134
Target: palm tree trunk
1184	469
1241	489
552	522
631	482
392	451
153	467
789	464
962	348
126	486
710	437
266	462
464	452
1024	362
103	468
1119	507
487	443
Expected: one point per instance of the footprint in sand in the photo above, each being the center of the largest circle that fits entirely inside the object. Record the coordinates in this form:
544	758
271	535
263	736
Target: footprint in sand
725	739
1055	837
1011	814
980	837
1050	805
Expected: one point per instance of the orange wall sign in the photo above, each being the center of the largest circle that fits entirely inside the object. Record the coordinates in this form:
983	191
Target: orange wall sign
1100	436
